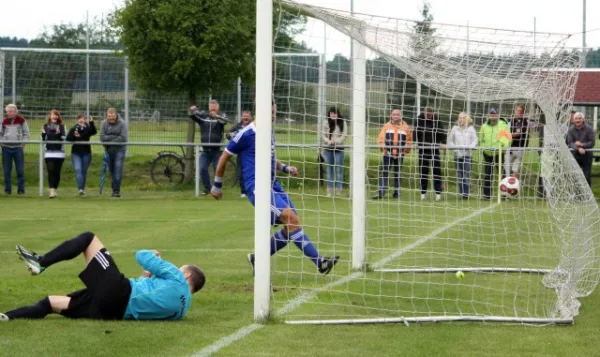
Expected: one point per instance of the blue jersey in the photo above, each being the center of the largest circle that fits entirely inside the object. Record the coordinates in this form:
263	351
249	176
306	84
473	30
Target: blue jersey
164	296
243	144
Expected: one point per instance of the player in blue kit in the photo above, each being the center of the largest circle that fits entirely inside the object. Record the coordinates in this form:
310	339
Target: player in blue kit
163	293
282	208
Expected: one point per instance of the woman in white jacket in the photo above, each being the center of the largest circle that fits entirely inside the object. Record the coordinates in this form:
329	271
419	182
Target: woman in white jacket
462	140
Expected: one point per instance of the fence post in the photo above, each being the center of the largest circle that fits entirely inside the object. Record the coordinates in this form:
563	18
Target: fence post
239	100
197	163
126	99
41	169
14	79
2	80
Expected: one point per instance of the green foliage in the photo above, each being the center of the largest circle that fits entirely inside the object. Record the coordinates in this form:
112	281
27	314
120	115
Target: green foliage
593	58
424	42
189	46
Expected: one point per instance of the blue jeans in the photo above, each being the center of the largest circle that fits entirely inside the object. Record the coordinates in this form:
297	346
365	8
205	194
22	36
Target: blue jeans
393	165
335	168
463	173
81	162
206	158
115	166
8	156
428	158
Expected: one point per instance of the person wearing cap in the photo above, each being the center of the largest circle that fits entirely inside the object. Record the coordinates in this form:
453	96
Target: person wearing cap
212	128
519	128
494	135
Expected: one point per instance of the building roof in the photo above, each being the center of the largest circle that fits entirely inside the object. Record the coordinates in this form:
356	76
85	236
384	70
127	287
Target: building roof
587	90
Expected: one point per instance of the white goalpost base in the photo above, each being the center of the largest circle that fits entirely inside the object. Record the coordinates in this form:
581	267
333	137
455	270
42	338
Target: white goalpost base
529	259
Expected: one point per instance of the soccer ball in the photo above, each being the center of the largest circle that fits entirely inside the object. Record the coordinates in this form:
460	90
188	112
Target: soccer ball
510	186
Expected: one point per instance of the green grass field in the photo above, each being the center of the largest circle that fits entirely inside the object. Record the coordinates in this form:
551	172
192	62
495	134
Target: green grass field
217	236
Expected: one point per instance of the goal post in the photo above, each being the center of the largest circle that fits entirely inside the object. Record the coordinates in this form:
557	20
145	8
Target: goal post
407	216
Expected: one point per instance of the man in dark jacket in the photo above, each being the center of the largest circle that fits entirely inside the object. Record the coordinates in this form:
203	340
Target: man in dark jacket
580	138
430	134
212	128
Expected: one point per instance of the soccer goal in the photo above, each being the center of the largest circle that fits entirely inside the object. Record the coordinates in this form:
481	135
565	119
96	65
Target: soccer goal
415	255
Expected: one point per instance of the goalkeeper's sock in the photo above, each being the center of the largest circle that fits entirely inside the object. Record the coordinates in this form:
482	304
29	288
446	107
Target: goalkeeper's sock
303	243
38	311
67	250
278	241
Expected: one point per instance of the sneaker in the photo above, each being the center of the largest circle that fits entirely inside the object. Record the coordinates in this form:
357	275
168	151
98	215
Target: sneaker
423	197
438	197
20	193
31	259
251	261
116	194
81	193
396	195
378	197
3	317
205	193
243	195
327	264
52	193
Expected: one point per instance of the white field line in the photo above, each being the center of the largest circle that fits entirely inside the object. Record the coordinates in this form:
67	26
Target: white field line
301	299
126	219
192	250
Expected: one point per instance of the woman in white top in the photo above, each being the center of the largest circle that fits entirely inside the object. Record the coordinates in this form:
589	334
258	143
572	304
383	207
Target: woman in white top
462	140
333	133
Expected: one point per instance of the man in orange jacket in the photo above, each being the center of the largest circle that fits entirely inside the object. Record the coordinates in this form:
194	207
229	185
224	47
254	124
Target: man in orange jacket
394	141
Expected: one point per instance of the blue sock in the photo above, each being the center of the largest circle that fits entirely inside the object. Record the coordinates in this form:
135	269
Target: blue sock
303	243
278	241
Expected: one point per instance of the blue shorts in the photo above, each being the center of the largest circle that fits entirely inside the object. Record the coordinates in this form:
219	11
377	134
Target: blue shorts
279	201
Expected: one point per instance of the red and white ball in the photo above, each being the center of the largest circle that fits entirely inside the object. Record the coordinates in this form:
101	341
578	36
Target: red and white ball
510	186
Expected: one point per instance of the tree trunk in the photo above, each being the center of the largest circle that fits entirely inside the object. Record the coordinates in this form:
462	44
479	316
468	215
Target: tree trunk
189	151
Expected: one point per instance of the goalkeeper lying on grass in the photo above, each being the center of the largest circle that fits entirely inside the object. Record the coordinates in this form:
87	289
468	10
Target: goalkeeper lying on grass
163	293
243	144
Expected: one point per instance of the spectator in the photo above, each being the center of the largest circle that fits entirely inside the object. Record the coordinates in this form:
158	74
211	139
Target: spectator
212	127
519	128
462	140
430	135
246	119
580	138
54	130
395	138
334	133
14	128
114	130
81	155
493	135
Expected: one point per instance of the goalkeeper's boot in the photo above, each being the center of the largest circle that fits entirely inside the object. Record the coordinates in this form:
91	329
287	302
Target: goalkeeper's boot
251	261
327	264
31	259
3	317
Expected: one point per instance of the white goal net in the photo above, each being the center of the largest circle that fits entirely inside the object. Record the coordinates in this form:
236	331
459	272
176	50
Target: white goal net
432	236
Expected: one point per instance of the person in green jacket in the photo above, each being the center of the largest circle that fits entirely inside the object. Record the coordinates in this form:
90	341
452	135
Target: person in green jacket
493	136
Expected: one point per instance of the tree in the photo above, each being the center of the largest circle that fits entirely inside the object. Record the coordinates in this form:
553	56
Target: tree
13	42
423	41
423	44
196	47
339	69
